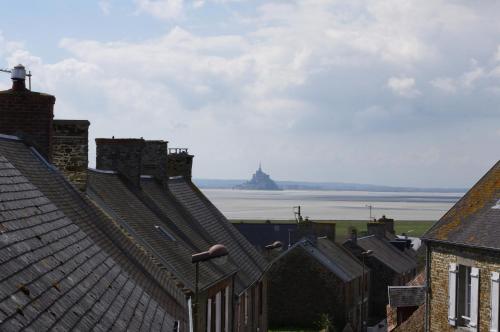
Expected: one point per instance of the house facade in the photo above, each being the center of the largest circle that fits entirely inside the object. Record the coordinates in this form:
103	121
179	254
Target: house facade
389	262
317	277
463	261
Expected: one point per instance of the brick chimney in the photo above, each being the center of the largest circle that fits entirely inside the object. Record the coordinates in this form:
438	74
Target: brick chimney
70	150
27	114
121	155
180	163
154	160
376	228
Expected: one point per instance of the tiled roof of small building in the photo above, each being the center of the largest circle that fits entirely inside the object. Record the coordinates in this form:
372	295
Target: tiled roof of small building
406	296
251	263
149	224
65	266
388	254
474	219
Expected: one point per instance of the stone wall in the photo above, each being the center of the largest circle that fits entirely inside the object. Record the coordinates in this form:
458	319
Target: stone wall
180	164
154	159
28	115
301	289
70	150
121	155
441	257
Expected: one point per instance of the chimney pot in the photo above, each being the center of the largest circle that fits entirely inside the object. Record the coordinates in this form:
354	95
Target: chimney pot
18	73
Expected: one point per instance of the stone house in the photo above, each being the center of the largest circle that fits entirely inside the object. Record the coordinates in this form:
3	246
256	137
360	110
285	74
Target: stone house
66	265
111	248
404	302
314	277
147	188
463	261
391	264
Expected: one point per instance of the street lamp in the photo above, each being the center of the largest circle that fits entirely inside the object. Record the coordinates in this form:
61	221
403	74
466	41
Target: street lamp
274	245
215	251
363	255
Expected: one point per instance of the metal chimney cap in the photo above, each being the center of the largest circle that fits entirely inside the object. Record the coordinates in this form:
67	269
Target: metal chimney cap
18	73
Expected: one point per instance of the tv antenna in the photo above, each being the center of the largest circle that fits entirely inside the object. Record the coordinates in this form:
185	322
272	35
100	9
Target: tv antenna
297	214
369	206
28	74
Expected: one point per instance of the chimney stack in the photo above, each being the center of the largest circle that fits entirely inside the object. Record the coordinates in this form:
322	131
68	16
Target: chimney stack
121	155
27	114
389	224
324	229
70	150
180	163
154	160
353	235
376	228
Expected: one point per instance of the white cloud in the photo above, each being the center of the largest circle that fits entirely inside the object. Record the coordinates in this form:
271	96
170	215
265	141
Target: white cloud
311	76
163	9
403	86
105	6
444	84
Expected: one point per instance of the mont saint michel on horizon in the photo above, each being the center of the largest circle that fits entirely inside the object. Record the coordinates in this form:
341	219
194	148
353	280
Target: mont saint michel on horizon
259	181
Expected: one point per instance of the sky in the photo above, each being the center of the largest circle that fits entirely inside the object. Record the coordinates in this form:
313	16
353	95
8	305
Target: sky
391	92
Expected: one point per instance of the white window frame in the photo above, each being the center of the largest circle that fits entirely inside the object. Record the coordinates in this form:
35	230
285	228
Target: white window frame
226	309
209	314
474	303
218	312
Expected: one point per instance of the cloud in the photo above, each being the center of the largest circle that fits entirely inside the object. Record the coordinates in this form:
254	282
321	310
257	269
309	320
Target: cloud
403	86
105	6
335	88
163	9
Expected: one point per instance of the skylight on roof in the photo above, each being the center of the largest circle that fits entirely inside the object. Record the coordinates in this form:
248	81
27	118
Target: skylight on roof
165	233
496	206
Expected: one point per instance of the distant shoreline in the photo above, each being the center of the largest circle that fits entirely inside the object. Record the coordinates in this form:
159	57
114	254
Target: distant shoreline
324	186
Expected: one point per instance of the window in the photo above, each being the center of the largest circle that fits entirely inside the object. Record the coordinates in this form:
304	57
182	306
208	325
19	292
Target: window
463	295
176	326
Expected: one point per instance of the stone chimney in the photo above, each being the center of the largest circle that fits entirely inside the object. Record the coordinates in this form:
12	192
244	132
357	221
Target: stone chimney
180	163
154	160
121	155
389	224
376	228
353	235
70	150
323	229
27	114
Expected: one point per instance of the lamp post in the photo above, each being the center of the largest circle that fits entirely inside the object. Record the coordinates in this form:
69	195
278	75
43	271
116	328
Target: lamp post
363	321
272	246
215	251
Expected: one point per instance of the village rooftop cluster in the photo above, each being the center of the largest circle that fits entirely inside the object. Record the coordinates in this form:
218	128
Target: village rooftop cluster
134	245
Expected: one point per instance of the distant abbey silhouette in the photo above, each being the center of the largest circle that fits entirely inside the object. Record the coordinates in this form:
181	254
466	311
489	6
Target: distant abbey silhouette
259	181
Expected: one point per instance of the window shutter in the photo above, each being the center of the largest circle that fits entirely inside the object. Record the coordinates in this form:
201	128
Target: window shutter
495	279
452	294
474	297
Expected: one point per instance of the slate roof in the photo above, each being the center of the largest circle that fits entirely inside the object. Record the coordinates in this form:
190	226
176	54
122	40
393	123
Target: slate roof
261	235
172	245
406	296
250	262
64	265
388	254
474	219
333	256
